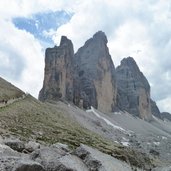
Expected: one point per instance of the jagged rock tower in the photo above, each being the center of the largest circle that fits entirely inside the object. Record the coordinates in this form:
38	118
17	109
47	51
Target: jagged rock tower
133	89
89	78
96	82
58	75
86	78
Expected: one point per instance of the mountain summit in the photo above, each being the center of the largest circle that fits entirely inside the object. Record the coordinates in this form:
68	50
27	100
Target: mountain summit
96	74
58	79
133	89
88	78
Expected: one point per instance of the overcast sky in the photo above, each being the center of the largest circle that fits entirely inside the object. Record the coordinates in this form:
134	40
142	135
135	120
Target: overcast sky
137	28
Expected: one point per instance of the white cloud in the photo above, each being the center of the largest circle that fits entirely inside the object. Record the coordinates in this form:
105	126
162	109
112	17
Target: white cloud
164	104
21	54
134	28
22	61
15	8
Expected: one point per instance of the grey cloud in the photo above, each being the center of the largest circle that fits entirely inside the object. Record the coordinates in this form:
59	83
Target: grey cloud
15	65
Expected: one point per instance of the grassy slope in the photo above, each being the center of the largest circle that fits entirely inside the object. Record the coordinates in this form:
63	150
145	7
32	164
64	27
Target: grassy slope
8	91
30	118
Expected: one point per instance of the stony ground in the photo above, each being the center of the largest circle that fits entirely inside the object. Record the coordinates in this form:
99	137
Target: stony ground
50	123
18	155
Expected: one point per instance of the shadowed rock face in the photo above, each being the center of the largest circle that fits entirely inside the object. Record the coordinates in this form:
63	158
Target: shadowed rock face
166	116
88	78
155	110
133	89
95	83
58	77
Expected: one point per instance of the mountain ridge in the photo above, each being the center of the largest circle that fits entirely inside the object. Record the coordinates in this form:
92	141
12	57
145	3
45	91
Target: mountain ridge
96	82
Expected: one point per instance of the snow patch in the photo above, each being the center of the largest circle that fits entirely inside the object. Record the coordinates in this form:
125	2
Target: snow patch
125	143
117	113
164	138
156	143
155	118
106	120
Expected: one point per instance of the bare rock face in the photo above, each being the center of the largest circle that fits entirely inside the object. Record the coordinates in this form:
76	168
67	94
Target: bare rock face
166	116
96	160
155	110
86	78
58	78
133	89
95	83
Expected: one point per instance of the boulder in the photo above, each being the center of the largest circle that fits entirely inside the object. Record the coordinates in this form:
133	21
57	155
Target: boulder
7	151
32	146
96	160
15	144
7	163
28	165
71	163
48	157
61	146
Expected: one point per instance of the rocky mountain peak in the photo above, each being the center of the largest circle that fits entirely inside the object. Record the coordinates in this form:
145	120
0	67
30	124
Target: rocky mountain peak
58	79
100	35
65	42
99	38
130	62
133	89
131	70
88	78
96	74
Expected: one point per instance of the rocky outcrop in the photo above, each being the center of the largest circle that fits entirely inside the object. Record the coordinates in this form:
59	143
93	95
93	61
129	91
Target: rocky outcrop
133	89
155	110
166	116
88	78
95	160
53	158
58	78
95	83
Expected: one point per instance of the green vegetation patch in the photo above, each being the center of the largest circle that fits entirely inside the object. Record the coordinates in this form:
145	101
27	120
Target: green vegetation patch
31	119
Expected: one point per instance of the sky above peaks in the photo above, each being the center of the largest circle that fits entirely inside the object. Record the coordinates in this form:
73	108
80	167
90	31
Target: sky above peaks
136	28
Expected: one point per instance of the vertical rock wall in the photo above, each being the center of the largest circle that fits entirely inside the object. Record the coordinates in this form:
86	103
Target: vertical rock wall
96	74
58	77
133	89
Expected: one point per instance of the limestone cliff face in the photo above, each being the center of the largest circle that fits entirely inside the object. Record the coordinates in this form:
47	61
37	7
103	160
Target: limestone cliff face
89	78
133	89
155	110
95	83
58	76
86	78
